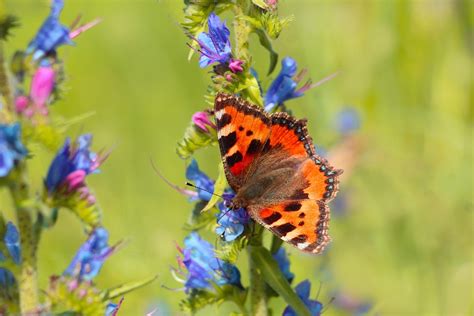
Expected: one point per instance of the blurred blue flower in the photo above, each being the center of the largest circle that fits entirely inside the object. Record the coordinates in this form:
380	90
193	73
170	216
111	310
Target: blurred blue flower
51	34
303	289
72	164
284	264
12	242
203	267
283	88
354	306
205	186
215	45
11	148
8	286
91	255
231	223
347	120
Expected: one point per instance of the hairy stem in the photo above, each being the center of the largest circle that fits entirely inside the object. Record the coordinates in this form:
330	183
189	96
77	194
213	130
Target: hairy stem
29	237
242	31
258	298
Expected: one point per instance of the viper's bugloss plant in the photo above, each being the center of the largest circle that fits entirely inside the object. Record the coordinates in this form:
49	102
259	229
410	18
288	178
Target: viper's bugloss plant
29	85
231	64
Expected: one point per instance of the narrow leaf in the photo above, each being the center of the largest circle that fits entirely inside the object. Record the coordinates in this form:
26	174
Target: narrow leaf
219	188
275	278
265	42
128	287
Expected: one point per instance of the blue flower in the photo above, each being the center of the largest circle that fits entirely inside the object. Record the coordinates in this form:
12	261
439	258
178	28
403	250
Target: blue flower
347	120
11	148
284	264
215	45
203	267
8	286
51	34
91	256
303	289
284	86
12	242
348	303
72	164
231	223
205	186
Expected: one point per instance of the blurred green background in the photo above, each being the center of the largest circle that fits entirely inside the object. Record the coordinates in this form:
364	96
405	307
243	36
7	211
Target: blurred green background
406	241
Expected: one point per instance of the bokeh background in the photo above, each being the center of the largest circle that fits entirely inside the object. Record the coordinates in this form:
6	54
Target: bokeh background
404	240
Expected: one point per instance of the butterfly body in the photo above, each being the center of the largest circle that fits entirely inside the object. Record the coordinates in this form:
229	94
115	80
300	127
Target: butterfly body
271	164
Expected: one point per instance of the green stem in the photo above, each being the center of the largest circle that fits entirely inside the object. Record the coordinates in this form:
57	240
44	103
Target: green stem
242	31
29	237
5	114
258	298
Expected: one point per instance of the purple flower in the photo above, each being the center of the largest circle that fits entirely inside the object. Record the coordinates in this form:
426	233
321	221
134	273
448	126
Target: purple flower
203	267
303	289
215	45
12	242
12	149
71	166
91	256
284	264
204	184
283	88
231	223
51	34
347	120
202	121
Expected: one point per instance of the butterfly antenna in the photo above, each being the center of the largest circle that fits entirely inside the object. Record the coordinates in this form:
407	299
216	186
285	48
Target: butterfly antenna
189	184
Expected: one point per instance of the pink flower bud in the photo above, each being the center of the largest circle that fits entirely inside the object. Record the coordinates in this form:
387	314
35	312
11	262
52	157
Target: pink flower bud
21	103
201	120
75	179
235	65
42	86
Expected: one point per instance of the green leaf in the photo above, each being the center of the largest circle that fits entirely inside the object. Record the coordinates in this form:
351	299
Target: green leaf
219	188
260	3
128	287
193	140
265	42
230	250
272	275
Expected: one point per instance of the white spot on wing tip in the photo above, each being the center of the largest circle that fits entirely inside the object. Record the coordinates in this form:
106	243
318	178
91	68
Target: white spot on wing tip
303	245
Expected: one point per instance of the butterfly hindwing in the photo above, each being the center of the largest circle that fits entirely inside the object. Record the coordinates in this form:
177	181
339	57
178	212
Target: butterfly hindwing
303	223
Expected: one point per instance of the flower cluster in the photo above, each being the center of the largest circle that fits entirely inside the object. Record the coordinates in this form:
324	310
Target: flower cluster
203	268
215	46
68	171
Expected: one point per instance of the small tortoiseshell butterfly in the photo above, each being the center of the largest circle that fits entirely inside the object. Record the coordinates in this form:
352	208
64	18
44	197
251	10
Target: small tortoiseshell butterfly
271	164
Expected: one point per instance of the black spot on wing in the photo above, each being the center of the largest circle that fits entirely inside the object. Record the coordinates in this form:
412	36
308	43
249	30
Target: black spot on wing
235	158
249	133
224	120
272	218
299	195
299	239
228	141
292	207
284	229
254	147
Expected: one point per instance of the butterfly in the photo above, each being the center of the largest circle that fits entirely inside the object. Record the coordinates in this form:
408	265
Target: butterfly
271	164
